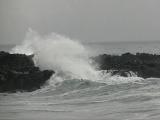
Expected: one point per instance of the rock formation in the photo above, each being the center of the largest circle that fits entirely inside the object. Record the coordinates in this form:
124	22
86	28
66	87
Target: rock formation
18	73
143	64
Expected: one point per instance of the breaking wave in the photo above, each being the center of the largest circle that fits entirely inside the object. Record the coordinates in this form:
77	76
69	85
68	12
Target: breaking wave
68	58
78	90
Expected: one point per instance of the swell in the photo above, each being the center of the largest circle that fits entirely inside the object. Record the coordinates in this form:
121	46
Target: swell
74	89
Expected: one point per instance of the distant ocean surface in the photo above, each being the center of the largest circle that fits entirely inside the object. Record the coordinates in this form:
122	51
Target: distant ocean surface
6	47
123	47
114	47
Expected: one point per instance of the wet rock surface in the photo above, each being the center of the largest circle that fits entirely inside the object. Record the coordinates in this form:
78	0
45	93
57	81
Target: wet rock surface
18	73
143	64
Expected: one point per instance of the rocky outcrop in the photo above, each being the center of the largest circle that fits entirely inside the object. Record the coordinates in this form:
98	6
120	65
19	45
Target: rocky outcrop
18	73
143	64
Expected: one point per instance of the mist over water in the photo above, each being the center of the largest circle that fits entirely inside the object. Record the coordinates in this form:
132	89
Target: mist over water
68	58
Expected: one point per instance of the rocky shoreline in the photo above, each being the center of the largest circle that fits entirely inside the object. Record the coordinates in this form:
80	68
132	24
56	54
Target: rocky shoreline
143	64
18	73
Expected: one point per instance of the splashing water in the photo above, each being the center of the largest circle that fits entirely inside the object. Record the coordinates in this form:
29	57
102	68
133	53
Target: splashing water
67	57
102	96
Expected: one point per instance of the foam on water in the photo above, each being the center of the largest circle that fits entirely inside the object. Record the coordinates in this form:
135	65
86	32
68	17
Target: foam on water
68	58
98	96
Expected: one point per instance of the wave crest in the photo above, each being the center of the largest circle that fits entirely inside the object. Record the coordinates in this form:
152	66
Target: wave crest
68	58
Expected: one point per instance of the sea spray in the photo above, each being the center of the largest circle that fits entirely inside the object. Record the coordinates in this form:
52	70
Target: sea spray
68	58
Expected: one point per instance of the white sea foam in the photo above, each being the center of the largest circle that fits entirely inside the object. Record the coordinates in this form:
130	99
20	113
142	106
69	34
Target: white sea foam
68	58
72	98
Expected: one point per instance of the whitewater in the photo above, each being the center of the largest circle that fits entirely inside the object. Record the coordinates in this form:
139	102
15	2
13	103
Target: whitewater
77	90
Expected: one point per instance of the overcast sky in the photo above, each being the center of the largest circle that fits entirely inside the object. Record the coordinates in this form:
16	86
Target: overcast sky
86	20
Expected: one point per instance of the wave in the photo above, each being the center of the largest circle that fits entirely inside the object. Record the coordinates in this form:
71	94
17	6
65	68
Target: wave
70	60
76	88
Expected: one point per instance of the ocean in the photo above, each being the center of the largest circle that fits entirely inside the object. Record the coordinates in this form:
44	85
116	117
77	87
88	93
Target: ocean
112	98
118	48
115	48
6	47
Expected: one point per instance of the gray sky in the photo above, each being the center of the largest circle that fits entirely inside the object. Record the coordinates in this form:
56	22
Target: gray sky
86	20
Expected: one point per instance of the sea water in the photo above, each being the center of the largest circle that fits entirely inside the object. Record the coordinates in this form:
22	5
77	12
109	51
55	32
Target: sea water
73	98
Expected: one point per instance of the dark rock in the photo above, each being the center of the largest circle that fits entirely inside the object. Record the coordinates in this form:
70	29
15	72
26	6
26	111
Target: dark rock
18	73
143	64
